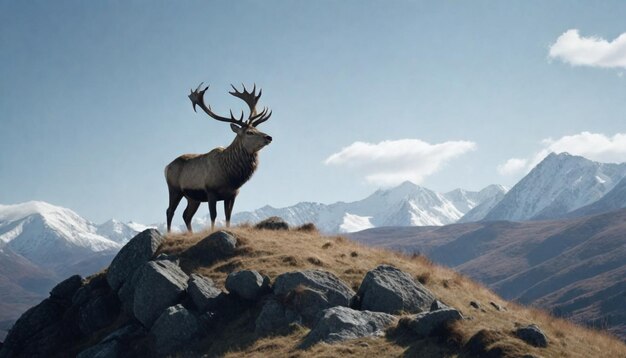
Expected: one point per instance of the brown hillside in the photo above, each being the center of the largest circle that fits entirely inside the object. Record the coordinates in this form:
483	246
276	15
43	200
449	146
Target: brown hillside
573	267
275	252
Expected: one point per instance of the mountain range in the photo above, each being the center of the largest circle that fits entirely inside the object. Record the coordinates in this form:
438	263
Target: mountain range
562	185
405	205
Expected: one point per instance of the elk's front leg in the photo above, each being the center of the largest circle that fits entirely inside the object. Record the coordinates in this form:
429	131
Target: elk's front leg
213	212
228	209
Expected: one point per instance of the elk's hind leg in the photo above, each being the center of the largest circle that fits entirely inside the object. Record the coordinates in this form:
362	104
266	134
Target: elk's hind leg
190	211
175	198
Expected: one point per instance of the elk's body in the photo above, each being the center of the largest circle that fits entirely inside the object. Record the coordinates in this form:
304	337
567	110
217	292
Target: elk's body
218	174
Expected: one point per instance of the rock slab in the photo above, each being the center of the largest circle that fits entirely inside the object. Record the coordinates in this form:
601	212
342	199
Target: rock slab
387	289
217	246
336	291
135	253
274	317
202	291
174	328
159	285
425	323
342	323
66	289
532	335
247	284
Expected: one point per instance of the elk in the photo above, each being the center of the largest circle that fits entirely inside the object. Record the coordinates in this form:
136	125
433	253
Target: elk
218	174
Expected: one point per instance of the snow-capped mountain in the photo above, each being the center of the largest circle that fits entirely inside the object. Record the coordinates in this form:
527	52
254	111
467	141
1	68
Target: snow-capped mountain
405	205
613	200
50	236
559	184
491	196
120	232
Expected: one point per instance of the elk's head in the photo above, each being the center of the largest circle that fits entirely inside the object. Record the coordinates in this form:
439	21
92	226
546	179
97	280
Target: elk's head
251	138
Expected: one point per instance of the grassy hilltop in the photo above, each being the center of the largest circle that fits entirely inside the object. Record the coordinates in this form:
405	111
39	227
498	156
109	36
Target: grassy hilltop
276	252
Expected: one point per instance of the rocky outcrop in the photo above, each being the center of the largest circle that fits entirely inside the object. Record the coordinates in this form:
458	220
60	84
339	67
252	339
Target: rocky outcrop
66	289
308	303
72	311
159	285
202	291
135	253
342	323
387	289
274	317
272	223
217	246
166	311
426	323
247	284
173	329
336	291
532	335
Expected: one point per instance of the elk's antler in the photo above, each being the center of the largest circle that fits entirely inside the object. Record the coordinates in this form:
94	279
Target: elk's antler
197	98
251	99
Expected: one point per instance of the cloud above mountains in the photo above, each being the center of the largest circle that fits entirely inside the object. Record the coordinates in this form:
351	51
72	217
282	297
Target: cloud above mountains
593	51
594	146
392	162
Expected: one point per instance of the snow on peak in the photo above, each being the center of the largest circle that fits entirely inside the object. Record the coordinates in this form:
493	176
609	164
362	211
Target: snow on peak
559	184
407	204
47	234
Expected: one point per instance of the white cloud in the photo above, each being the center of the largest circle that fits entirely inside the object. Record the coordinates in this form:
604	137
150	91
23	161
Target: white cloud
512	166
593	51
391	162
594	146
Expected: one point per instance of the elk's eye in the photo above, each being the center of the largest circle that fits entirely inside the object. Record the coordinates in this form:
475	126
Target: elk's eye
249	133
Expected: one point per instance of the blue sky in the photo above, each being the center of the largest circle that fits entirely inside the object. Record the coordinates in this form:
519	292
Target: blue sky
93	95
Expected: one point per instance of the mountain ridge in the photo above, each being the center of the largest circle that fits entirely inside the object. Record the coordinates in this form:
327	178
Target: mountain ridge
407	204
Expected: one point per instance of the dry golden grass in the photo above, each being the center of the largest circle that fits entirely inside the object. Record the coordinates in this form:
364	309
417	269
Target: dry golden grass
275	252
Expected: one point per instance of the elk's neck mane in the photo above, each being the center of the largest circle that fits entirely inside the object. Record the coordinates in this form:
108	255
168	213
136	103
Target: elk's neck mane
238	164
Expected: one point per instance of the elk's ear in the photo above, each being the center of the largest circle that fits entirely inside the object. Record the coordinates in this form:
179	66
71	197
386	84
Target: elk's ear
235	128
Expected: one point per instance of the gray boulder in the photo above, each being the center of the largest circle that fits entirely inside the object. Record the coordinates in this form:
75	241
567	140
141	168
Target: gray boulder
126	293
202	291
159	285
336	291
98	312
532	335
426	323
274	317
109	349
308	303
135	253
217	246
342	323
66	289
272	223
247	284
174	328
387	289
